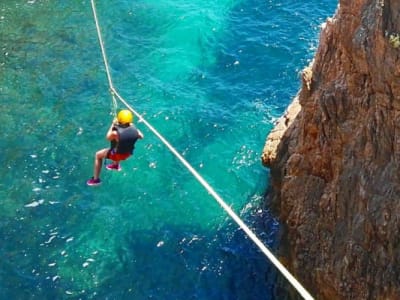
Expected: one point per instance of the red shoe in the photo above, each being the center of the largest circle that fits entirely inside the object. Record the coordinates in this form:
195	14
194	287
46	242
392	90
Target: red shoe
93	181
114	167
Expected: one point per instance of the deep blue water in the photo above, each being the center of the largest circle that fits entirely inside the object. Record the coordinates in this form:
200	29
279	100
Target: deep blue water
211	76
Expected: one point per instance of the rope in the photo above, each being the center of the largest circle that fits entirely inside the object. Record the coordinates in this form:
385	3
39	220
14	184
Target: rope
295	283
103	52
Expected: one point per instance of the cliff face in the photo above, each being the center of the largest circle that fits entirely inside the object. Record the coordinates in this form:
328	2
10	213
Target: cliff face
335	158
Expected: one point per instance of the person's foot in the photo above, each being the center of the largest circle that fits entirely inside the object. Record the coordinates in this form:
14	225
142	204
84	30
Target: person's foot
93	181
115	167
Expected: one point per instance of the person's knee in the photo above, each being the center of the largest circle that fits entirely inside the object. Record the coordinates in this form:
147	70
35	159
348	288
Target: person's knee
101	154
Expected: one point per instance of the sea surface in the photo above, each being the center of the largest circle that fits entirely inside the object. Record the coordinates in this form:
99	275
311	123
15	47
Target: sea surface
211	76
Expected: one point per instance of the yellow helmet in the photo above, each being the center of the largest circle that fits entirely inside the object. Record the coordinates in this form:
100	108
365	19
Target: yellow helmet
125	117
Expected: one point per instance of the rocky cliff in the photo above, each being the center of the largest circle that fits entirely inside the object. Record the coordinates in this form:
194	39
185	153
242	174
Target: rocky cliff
335	158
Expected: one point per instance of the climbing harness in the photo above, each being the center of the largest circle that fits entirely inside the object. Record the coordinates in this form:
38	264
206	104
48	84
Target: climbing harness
295	283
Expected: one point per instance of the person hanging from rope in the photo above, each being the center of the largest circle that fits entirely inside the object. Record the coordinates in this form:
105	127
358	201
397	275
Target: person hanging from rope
123	135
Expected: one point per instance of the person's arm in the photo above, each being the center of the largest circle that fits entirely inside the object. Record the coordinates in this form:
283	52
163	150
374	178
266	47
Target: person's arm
112	133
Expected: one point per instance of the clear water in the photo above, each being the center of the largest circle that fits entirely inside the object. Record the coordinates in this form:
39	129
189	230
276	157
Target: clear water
211	76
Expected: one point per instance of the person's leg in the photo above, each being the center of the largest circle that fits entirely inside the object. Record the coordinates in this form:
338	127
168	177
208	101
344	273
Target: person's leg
115	162
114	165
98	162
116	158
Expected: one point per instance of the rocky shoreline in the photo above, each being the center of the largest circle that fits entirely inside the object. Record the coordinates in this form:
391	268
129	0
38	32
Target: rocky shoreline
334	158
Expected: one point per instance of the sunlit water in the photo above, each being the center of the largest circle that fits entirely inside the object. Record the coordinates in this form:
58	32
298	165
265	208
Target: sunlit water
211	76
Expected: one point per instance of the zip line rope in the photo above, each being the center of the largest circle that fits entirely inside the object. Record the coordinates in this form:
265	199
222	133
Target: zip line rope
103	52
293	281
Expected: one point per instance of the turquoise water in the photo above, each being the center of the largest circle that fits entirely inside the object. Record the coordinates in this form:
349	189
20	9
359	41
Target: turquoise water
211	76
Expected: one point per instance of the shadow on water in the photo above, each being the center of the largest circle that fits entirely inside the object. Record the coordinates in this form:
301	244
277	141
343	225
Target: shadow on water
50	257
196	260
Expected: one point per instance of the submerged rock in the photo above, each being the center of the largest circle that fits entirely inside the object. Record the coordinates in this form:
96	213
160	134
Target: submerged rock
335	159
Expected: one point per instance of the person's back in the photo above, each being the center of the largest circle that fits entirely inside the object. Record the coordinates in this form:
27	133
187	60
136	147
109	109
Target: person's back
127	137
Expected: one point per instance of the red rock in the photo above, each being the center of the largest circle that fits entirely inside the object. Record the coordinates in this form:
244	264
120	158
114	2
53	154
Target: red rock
335	159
